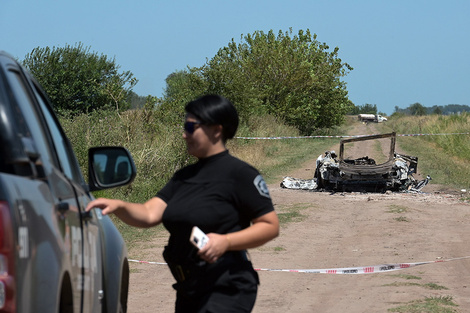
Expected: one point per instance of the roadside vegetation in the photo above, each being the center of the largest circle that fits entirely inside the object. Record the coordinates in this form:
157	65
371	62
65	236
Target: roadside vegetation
442	146
159	150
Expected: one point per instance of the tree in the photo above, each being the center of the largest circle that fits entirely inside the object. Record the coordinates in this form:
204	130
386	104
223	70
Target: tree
135	101
417	109
437	110
80	81
364	109
181	87
294	78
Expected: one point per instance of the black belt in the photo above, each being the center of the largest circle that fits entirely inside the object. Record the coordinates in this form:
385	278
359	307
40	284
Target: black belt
183	271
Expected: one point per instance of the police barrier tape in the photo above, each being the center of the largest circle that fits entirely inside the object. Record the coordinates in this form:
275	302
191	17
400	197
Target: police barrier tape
344	270
346	136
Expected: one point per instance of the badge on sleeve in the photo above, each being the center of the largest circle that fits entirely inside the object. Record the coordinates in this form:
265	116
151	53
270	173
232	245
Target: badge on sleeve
260	184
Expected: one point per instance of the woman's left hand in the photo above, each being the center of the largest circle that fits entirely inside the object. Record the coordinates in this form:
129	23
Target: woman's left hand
215	248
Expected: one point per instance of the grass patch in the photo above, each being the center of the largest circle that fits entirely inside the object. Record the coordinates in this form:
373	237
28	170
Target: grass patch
401	284
292	213
401	219
397	209
446	158
434	286
431	286
441	304
444	169
274	158
406	276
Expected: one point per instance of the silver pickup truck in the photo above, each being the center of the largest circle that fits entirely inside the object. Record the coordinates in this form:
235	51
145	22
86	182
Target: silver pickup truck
54	256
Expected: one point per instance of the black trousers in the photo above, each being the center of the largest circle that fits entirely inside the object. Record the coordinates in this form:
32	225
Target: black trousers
230	285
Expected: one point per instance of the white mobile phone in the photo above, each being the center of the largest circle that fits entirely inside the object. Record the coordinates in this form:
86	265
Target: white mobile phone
198	238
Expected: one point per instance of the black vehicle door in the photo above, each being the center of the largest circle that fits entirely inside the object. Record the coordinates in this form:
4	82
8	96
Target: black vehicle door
63	243
50	207
85	253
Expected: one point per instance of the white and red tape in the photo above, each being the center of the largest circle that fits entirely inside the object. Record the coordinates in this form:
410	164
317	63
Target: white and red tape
345	136
344	270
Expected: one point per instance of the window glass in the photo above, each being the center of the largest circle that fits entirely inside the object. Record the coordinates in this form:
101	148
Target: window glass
37	130
123	169
63	150
27	118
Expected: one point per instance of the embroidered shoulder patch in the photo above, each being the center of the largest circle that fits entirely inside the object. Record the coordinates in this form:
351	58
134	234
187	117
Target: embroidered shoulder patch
260	184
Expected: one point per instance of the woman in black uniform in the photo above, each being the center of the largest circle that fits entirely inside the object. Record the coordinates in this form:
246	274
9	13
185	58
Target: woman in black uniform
226	198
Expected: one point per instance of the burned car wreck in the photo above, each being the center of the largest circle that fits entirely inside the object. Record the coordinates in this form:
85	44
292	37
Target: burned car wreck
388	171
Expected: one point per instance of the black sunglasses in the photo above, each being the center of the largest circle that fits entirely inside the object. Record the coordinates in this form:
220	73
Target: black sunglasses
190	126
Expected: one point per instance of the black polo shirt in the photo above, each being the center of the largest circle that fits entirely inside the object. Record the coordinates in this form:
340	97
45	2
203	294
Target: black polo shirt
219	194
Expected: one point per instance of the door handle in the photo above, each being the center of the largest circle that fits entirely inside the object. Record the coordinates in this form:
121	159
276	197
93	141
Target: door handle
62	207
86	216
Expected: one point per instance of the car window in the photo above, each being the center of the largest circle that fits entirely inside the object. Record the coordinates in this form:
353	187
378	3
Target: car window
39	134
27	121
12	127
64	152
20	123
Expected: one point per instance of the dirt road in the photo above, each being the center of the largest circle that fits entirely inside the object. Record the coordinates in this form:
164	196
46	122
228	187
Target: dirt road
344	230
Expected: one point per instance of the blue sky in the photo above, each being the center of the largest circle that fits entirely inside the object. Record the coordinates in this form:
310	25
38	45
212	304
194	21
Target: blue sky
402	51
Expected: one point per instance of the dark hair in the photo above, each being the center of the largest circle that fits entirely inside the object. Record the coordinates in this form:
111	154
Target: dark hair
215	110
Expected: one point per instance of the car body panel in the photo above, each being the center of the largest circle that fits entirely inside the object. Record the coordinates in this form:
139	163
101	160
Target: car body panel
62	252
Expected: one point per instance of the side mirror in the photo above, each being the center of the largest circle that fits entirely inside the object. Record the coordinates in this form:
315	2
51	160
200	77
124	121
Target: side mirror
109	167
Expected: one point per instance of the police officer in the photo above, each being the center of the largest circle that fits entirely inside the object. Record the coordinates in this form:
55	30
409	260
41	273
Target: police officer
223	196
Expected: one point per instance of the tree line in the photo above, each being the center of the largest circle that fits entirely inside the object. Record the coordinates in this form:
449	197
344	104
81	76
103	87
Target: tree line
419	109
413	109
293	77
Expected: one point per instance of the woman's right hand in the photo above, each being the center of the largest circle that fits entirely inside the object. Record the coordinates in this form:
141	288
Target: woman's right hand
136	214
107	206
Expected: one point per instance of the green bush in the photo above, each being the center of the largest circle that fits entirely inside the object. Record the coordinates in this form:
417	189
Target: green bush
158	149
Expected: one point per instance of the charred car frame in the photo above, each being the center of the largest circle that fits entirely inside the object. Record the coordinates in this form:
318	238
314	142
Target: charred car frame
340	173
